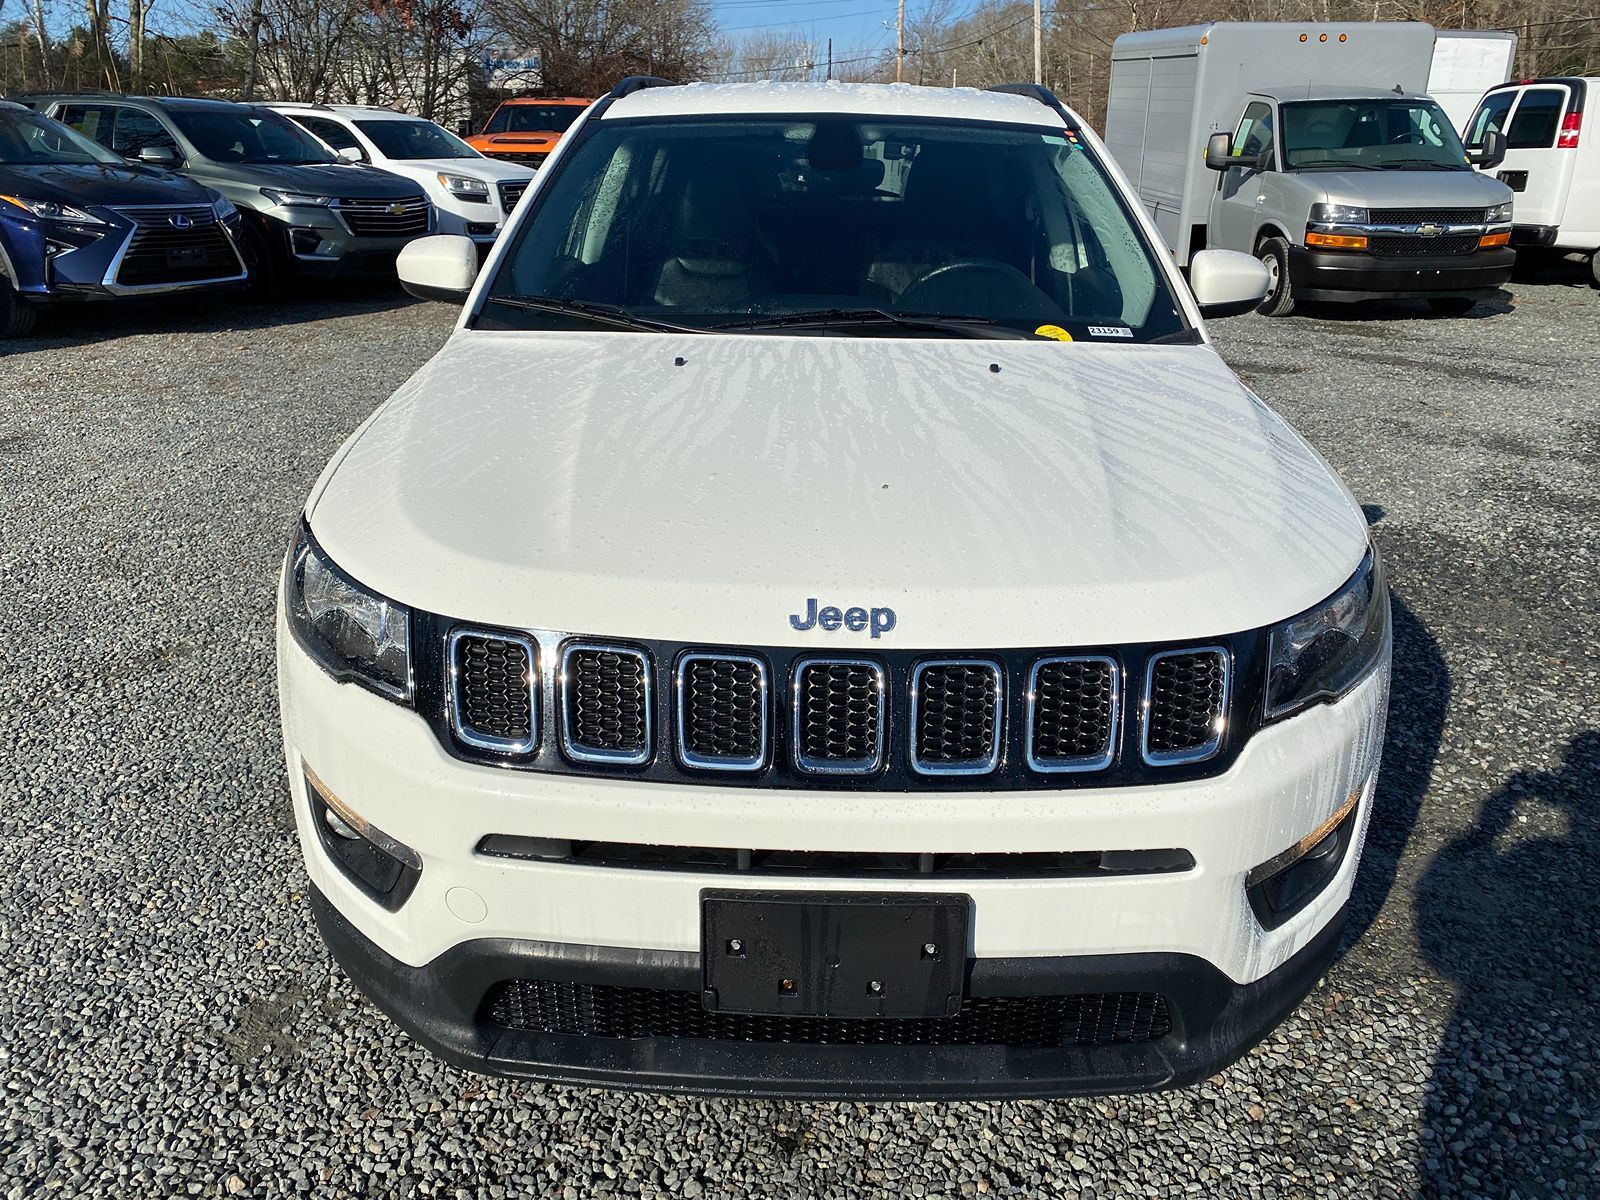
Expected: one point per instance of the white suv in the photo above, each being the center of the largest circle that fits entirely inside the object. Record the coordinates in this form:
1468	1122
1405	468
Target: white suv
828	622
472	195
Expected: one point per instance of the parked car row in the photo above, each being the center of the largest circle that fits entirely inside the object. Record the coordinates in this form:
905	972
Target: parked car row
107	195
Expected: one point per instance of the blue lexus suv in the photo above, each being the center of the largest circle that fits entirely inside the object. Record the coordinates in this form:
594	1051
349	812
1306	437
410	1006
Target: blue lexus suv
78	222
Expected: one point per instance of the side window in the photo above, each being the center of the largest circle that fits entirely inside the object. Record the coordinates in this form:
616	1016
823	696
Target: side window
1537	118
335	134
135	130
1255	131
1491	114
91	120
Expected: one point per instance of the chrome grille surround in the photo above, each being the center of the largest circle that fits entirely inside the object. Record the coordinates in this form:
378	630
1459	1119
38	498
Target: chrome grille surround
1051	764
474	735
685	689
594	752
975	765
863	765
1199	751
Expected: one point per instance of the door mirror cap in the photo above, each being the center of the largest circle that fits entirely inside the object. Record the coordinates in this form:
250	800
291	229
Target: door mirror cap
1219	151
351	154
441	267
157	156
1491	152
1226	283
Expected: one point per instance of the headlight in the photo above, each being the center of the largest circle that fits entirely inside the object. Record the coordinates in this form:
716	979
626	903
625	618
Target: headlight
355	634
51	210
296	199
1338	214
1500	214
464	187
1323	653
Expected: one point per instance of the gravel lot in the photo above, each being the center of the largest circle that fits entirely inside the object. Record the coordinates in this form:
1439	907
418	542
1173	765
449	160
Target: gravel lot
169	1022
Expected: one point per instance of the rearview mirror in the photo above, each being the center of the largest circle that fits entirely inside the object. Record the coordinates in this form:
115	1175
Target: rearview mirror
352	154
1491	152
1226	283
158	156
441	267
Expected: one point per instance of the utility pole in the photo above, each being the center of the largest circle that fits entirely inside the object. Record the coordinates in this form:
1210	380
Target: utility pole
900	46
1038	41
830	59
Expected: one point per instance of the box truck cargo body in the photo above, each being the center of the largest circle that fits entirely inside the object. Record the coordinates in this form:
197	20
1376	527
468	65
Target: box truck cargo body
1466	64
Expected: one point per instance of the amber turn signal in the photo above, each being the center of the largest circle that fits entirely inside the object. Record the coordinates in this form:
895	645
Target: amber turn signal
1336	241
1494	239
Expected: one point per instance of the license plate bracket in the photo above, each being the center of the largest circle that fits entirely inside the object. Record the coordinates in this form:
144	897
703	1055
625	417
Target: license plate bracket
810	954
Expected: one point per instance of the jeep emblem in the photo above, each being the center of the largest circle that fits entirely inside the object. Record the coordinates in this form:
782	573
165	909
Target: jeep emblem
879	620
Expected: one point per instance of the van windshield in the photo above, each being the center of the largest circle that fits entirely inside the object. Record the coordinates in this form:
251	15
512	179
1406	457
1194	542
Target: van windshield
1401	134
838	225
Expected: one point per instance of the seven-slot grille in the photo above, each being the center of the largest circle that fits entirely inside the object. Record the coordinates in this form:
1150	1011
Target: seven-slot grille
722	712
838	716
405	217
494	692
605	704
1427	216
511	192
1186	699
176	244
1073	707
955	716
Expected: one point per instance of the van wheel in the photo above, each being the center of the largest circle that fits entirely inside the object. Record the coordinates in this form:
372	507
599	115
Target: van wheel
1594	269
16	314
1451	306
1274	255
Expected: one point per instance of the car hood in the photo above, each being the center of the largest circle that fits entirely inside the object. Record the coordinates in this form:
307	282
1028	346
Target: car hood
480	168
100	183
323	179
1409	189
1080	495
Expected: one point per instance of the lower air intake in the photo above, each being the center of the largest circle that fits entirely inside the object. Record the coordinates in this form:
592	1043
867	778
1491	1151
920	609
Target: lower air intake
1022	1022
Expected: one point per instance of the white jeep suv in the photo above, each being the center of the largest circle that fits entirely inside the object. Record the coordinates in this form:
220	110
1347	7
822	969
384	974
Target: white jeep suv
828	622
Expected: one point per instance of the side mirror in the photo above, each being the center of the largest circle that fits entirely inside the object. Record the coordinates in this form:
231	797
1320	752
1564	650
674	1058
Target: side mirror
1226	283
441	267
463	128
1219	151
351	154
158	156
1491	153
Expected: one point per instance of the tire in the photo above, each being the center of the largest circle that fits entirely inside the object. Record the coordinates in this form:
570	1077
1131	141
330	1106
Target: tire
16	314
1451	306
1274	255
265	259
1594	268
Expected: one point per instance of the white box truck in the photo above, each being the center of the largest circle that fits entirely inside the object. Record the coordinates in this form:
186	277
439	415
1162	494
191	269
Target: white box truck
1316	148
1466	64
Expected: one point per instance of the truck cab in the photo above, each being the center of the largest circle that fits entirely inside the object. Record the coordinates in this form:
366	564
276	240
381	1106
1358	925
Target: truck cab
1358	194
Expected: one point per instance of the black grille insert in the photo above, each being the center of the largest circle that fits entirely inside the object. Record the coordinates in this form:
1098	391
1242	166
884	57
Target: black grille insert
1186	697
176	245
495	690
722	712
605	707
1427	216
1074	704
1022	1022
838	716
956	717
1426	247
511	192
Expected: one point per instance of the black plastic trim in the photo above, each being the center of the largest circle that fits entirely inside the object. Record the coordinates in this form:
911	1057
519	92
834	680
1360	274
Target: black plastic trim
391	898
1351	275
1037	91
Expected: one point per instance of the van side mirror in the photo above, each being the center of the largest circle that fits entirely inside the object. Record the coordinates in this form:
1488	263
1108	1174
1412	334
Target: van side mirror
463	128
1220	155
1227	283
1491	152
441	267
157	156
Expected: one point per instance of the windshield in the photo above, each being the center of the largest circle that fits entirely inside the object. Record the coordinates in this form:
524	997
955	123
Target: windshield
414	139
1396	133
534	118
729	222
247	135
27	139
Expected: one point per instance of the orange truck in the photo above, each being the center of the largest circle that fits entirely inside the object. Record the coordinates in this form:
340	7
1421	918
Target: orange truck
525	130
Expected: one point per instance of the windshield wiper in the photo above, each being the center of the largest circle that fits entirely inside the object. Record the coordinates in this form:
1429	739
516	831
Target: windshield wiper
1326	165
1426	162
602	314
852	318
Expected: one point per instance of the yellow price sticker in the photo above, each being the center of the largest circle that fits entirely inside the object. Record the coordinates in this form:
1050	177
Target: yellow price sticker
1053	331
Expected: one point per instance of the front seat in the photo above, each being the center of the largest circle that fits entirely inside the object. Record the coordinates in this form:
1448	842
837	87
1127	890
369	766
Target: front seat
715	261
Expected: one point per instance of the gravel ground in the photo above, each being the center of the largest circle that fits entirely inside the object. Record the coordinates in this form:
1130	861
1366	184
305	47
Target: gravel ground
171	1026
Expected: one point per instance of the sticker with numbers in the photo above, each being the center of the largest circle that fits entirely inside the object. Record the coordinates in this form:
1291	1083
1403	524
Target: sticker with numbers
1110	331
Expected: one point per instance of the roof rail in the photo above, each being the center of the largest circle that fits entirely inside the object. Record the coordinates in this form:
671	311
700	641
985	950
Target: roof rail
1036	91
634	83
287	103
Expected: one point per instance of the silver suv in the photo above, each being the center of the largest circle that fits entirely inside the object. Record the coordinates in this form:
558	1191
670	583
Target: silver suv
307	212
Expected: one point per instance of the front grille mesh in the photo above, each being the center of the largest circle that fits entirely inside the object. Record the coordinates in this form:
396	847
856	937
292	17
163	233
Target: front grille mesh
1023	1022
1187	691
723	711
607	702
160	252
839	717
1074	712
1427	216
379	218
958	715
493	697
511	192
1435	247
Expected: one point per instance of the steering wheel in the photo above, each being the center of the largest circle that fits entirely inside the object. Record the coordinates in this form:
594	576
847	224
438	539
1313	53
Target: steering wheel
944	288
1406	139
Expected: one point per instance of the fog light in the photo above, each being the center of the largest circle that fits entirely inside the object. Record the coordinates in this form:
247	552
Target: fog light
1286	883
384	869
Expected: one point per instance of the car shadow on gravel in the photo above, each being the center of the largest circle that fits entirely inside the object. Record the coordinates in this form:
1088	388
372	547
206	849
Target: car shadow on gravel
1496	305
1511	918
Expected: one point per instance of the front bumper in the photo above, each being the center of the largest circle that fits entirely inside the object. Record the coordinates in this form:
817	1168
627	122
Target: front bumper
1354	275
319	244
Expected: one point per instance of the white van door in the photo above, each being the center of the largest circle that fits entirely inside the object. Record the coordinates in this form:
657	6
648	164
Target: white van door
1537	167
1236	204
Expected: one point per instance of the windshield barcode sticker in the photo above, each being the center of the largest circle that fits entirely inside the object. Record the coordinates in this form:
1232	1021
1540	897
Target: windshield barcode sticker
1110	331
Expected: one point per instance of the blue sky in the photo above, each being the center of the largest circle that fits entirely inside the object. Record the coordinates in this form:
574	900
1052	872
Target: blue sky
852	24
